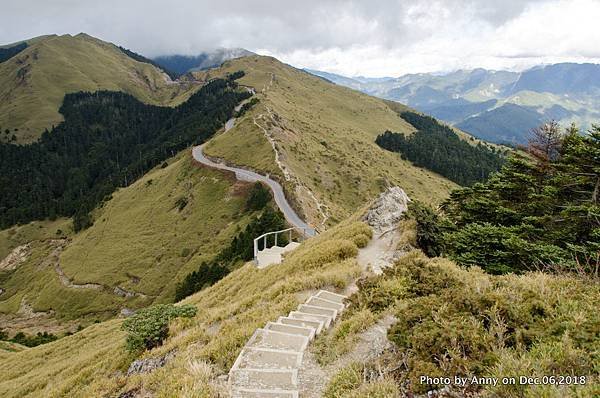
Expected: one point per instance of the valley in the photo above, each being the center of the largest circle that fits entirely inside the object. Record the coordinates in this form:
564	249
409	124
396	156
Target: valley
141	242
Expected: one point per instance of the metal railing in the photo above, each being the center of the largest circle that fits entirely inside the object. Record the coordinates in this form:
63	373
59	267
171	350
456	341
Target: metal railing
304	234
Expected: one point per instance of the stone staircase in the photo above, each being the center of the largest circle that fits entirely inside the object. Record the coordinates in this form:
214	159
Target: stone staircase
274	254
267	366
291	237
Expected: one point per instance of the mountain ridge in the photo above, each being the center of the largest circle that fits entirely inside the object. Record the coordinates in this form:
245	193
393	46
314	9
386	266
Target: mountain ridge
490	101
34	82
182	64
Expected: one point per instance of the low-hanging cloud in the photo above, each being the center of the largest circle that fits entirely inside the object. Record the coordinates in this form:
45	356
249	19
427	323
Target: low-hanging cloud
386	37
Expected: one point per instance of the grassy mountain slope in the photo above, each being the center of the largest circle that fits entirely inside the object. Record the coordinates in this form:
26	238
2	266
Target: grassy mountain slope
141	242
36	230
34	82
91	362
325	136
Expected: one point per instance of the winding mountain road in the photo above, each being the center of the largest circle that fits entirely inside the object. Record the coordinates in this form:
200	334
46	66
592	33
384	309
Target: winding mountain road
247	175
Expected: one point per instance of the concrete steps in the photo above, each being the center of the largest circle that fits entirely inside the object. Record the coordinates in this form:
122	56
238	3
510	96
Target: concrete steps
274	254
291	329
316	310
313	324
263	338
312	317
268	365
257	393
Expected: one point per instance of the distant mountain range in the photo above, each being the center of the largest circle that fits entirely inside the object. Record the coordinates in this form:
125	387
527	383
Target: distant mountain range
182	64
498	106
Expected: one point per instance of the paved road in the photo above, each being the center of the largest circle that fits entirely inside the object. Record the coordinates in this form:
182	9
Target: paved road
247	175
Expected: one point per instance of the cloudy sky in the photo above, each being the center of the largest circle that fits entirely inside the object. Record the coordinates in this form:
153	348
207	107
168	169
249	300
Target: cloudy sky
369	38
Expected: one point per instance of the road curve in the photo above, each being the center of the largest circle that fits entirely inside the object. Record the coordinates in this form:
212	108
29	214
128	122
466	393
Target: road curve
247	175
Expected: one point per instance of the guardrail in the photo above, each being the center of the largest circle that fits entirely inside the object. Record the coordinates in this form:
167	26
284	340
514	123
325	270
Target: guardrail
304	233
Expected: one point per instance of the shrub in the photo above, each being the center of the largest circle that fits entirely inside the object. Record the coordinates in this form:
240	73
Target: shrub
429	230
357	381
148	327
33	340
258	197
457	321
181	203
346	380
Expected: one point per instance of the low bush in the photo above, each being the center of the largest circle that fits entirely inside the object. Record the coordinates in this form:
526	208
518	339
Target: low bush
346	380
29	340
148	327
428	228
457	321
360	381
258	197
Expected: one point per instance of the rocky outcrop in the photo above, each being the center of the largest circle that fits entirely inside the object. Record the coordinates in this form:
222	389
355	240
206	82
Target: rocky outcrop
384	216
387	210
149	364
119	291
15	258
126	312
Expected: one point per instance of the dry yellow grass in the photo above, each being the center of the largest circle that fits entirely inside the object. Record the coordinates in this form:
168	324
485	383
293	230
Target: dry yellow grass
91	362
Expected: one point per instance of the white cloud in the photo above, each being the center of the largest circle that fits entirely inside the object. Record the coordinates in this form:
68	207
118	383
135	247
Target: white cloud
386	37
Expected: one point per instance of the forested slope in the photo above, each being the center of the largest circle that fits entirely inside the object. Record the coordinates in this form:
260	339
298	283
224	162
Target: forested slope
108	140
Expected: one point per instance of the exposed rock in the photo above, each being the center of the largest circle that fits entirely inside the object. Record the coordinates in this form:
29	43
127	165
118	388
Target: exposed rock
127	312
387	210
1	290
122	292
136	392
149	364
130	394
15	258
119	291
26	310
67	282
383	216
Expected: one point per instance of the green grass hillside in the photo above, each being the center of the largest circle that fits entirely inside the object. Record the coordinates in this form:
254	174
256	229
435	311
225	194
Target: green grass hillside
34	82
91	363
144	240
36	230
325	136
